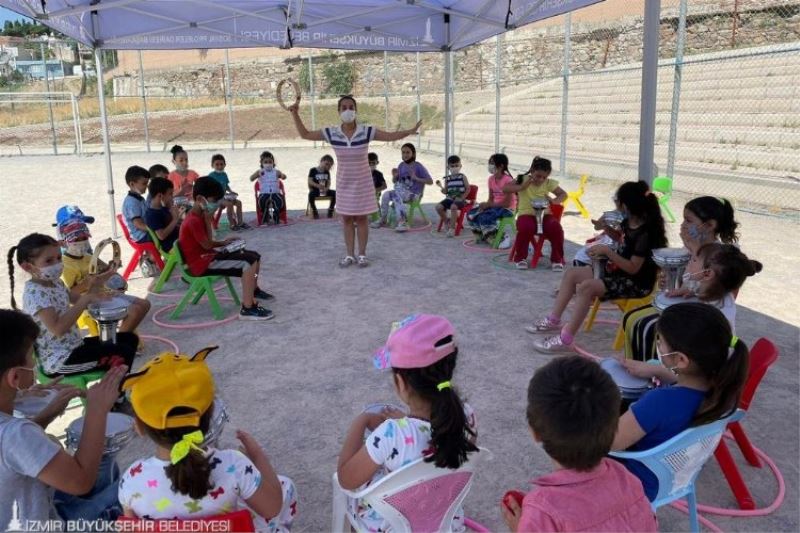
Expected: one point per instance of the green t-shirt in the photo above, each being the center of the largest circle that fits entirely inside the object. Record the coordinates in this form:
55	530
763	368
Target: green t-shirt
221	178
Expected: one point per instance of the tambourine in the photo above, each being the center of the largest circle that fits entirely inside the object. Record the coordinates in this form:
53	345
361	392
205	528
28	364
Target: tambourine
279	92
115	282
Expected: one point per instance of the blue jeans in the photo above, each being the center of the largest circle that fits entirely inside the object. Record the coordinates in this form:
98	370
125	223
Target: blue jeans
102	502
487	221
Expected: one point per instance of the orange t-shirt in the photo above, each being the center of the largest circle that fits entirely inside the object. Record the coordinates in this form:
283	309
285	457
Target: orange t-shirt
183	185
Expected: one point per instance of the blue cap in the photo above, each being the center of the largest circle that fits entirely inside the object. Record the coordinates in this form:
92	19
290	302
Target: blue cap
66	213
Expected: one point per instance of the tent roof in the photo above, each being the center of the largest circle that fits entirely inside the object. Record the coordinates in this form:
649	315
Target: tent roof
396	25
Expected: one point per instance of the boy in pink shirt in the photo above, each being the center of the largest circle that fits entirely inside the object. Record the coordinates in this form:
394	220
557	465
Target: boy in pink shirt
573	408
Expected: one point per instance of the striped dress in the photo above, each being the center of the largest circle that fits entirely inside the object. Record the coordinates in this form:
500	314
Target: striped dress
355	193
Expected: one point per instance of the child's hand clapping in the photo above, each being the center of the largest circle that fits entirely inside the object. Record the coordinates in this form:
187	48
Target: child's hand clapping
640	369
102	396
250	446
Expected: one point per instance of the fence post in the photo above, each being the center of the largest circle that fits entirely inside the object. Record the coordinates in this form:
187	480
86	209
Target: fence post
49	100
562	158
78	119
144	101
98	60
676	90
647	120
228	98
312	94
419	104
75	119
497	72
386	90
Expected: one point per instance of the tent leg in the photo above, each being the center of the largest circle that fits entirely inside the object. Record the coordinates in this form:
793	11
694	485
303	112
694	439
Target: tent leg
647	131
106	142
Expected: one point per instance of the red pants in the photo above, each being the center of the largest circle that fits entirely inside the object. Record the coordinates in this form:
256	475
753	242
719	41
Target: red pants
526	231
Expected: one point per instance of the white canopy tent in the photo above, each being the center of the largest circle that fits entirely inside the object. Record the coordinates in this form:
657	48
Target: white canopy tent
392	25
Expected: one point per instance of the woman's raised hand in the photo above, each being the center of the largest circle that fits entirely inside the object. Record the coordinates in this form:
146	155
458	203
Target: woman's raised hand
293	109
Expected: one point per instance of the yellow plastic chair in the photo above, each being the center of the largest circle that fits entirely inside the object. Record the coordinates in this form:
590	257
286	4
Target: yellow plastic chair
575	196
85	321
625	305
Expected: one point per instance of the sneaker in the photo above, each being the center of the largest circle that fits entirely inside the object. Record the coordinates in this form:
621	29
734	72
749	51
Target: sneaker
553	344
347	261
505	244
245	225
522	265
557	267
363	262
543	324
376	224
148	268
261	294
451	233
236	227
402	227
315	214
255	313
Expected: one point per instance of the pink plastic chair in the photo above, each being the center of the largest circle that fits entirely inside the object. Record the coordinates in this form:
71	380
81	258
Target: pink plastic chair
419	497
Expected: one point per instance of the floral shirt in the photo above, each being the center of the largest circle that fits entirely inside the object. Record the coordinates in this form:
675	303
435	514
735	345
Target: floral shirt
51	350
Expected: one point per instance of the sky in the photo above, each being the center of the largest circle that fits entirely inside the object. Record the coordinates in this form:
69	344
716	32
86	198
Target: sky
7	14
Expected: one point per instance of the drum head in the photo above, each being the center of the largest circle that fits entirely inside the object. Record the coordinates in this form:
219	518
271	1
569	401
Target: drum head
115	423
624	379
662	301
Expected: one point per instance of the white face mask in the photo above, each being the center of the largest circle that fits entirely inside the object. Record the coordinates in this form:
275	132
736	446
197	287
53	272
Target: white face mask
78	249
491	168
181	168
661	357
348	115
51	272
268	166
455	169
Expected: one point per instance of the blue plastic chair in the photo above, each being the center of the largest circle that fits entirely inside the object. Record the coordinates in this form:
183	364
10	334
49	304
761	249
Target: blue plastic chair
677	463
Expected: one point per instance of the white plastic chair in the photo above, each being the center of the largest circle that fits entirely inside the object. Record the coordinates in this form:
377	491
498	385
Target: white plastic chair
677	462
418	497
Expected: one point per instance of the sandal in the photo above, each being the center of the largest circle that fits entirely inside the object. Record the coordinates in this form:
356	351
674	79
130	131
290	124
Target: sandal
347	261
363	262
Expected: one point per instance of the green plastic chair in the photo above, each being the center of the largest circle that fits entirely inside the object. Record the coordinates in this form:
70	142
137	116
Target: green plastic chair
199	286
171	260
79	381
377	214
504	224
663	186
413	206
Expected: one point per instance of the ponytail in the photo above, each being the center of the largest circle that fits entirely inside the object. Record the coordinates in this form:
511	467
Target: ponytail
191	476
643	204
656	231
731	268
175	150
27	249
703	334
450	433
501	160
720	211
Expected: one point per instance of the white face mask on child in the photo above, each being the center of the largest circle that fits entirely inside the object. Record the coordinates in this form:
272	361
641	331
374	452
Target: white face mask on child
491	168
268	166
51	272
78	249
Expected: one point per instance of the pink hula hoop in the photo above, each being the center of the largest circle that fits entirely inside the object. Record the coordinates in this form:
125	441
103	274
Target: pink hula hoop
161	339
470	245
210	323
475	526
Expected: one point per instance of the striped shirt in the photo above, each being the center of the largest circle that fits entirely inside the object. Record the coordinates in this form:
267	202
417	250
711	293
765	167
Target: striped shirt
355	193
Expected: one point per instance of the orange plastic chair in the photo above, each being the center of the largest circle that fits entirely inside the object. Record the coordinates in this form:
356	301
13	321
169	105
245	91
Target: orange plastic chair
471	197
239	521
762	355
283	216
139	249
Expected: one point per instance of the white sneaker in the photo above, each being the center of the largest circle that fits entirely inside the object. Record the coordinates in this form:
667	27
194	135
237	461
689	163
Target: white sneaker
451	233
522	265
557	267
553	344
401	227
505	244
542	325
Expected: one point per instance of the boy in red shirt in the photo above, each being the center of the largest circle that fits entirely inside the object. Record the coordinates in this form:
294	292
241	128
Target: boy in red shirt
198	249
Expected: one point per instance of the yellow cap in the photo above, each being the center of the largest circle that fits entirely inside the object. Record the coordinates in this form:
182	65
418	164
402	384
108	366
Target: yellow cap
168	381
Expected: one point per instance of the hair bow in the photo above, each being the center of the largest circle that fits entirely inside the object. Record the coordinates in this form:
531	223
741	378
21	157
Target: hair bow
182	448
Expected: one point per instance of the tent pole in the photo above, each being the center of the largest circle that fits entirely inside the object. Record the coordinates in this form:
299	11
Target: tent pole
562	159
676	90
49	99
419	111
385	90
98	61
228	98
647	121
497	70
144	102
448	97
312	94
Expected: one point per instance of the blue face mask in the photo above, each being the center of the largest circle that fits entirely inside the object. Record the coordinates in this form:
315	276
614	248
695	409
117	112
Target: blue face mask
211	207
695	233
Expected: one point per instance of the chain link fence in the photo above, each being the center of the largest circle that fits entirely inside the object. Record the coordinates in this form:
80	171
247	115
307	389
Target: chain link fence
568	88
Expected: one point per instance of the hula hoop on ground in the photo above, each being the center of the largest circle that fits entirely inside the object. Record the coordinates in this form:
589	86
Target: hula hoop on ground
174	293
502	262
470	245
290	221
306	219
475	526
210	323
161	339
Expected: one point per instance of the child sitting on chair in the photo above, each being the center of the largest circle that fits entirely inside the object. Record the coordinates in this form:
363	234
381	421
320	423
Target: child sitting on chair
422	354
485	217
537	185
319	182
173	398
409	185
163	217
232	202
60	347
182	177
379	182
455	189
134	207
32	464
76	257
270	190
706	366
197	247
573	411
631	272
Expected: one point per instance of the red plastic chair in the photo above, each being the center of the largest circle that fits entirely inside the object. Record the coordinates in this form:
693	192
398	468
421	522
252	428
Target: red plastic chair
217	216
283	216
471	197
762	355
556	210
139	249
236	521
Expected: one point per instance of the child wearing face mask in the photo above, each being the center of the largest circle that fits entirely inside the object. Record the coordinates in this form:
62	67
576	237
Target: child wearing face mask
704	366
162	216
59	346
182	177
485	217
412	177
197	246
455	190
714	276
270	190
74	235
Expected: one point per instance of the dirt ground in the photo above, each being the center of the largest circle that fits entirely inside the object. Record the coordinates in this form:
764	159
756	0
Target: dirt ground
297	381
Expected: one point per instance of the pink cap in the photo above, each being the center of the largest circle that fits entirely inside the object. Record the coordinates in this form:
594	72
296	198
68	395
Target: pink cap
416	342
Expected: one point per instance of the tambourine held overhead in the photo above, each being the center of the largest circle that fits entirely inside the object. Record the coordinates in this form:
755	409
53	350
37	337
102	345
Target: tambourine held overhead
283	87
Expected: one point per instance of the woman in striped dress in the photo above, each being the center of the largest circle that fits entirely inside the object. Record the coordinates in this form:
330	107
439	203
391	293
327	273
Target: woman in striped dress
355	193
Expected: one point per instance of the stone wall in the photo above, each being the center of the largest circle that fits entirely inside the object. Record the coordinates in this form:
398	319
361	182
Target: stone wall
528	55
